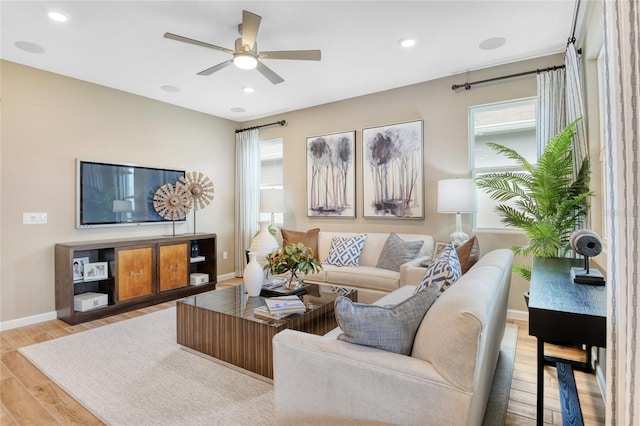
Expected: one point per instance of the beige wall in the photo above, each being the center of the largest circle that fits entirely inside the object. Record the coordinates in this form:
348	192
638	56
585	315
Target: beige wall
446	152
47	122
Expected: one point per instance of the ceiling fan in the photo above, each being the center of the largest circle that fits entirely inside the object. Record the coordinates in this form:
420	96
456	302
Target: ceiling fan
246	55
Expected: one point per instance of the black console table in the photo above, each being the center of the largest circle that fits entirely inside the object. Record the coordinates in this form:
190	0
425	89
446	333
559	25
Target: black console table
562	311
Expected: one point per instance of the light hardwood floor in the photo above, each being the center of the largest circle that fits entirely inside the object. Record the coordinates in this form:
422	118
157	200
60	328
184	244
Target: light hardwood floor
28	397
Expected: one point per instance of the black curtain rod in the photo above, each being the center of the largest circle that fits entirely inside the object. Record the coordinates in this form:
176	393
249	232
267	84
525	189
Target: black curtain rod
572	38
281	122
468	85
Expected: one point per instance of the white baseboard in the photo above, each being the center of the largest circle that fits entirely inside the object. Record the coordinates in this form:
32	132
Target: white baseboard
518	315
33	319
602	383
226	276
48	316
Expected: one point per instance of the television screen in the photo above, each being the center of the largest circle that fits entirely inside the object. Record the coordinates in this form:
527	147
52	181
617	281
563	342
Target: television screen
119	194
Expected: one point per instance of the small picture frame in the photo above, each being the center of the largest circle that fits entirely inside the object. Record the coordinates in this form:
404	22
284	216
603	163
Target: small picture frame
96	271
440	245
77	268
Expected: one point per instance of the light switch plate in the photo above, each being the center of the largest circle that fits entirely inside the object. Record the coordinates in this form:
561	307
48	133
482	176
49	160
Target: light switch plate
34	218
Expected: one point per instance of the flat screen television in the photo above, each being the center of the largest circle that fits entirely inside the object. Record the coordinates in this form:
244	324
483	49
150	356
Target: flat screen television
119	194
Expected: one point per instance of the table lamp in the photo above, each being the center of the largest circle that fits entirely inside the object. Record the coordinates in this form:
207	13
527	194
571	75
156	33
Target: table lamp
457	196
271	201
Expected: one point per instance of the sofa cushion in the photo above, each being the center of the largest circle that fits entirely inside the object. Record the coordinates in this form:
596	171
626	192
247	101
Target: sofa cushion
346	251
396	251
468	254
391	329
443	272
309	239
362	277
473	307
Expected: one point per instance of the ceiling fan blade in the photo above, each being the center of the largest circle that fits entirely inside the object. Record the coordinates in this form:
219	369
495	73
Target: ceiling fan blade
215	68
196	42
250	25
268	72
303	55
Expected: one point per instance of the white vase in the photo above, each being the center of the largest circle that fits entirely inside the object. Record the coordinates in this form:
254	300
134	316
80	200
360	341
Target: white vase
263	243
253	276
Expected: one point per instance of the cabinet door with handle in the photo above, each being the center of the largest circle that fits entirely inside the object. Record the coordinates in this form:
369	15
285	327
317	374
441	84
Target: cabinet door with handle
135	272
173	266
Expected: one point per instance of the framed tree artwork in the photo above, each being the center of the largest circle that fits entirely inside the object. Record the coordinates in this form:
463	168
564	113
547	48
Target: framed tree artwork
331	175
392	171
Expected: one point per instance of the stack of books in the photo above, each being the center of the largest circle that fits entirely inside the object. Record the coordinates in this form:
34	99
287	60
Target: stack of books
280	307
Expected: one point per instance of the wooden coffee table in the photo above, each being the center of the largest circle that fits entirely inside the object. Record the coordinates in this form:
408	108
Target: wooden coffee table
221	324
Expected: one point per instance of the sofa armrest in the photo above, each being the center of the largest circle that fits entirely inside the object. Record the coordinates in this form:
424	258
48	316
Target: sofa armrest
411	272
321	380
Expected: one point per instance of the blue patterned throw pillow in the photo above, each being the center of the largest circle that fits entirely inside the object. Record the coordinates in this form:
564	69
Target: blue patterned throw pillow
443	272
346	251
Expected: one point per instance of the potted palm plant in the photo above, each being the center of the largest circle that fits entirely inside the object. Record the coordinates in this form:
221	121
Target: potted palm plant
292	258
545	200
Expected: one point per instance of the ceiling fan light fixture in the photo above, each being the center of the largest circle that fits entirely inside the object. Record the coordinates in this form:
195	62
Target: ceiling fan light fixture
245	62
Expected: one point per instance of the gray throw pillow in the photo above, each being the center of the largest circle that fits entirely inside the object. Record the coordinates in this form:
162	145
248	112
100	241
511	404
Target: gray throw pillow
390	329
396	251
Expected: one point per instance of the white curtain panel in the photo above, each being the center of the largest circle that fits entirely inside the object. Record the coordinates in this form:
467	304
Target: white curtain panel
575	105
247	193
552	117
622	91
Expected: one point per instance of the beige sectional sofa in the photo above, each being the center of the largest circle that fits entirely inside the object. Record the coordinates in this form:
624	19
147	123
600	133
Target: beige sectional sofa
445	381
370	281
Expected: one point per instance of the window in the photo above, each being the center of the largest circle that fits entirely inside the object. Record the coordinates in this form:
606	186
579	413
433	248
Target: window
512	124
271	173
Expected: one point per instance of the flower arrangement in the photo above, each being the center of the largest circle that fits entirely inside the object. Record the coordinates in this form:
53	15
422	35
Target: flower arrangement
294	258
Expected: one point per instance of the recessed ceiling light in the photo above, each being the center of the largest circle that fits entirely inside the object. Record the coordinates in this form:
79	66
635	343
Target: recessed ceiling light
27	46
237	109
492	43
170	89
247	89
57	16
408	42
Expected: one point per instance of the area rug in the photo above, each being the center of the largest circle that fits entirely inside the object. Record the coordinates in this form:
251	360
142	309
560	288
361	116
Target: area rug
134	373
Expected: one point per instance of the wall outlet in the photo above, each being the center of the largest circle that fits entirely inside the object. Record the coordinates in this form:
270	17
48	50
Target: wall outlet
31	218
225	255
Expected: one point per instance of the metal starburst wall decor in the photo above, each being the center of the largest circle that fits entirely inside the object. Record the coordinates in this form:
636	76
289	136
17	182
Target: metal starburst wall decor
172	202
200	189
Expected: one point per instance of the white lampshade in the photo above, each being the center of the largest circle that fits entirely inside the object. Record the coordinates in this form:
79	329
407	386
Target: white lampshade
271	200
122	206
456	196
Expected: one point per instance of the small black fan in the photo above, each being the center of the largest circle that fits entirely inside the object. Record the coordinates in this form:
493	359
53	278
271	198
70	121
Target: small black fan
588	244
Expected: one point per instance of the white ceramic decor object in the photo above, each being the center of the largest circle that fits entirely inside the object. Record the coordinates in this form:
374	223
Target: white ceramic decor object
263	243
253	276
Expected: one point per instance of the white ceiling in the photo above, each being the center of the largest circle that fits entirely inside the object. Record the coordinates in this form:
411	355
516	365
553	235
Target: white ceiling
120	44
